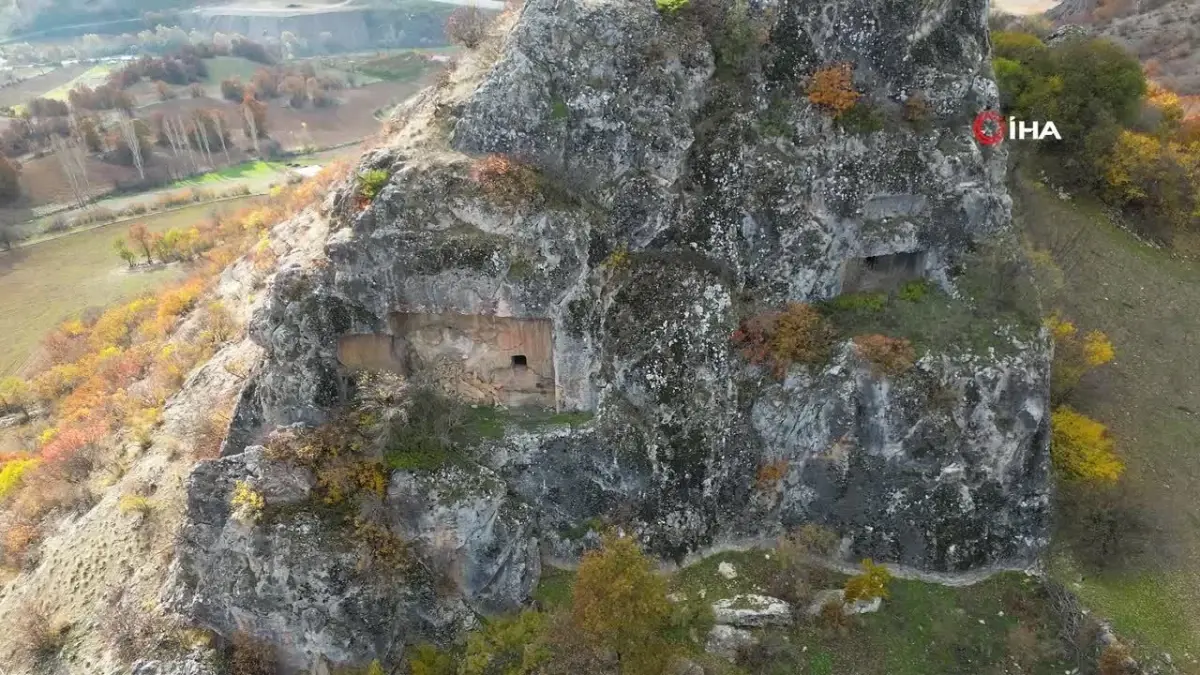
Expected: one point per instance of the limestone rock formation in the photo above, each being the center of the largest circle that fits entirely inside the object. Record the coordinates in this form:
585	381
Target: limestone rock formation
289	579
653	180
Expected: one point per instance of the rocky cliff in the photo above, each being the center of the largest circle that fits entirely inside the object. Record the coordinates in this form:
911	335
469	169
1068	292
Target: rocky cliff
662	178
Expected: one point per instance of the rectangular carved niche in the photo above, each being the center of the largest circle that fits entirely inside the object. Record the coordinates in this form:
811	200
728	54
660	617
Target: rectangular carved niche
485	359
882	273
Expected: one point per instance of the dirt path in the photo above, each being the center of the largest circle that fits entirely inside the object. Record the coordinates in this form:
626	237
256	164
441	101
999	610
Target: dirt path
1149	396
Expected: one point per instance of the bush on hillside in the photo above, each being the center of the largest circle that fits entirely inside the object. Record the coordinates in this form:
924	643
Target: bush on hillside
249	656
799	334
620	605
39	636
506	179
832	89
1082	449
887	355
869	584
1074	355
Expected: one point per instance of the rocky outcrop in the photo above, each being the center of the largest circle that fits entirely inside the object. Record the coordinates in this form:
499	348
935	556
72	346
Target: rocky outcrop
682	180
291	577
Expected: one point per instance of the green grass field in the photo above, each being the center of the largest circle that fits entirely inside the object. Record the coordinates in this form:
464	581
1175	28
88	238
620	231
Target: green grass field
225	67
1148	303
43	284
245	171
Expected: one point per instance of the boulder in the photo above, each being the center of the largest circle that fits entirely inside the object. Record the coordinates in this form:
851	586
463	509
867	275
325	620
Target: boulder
825	597
726	641
752	611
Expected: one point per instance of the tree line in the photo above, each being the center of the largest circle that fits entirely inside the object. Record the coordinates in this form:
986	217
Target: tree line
1125	140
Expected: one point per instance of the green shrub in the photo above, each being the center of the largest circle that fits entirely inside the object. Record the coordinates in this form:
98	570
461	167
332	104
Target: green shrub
429	660
371	182
851	302
914	291
513	645
670	6
862	118
871	583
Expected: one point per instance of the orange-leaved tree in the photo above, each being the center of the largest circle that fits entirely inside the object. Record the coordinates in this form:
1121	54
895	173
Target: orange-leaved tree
832	88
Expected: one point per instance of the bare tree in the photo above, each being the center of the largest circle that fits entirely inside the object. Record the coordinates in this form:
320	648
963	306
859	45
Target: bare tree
126	123
187	143
218	118
65	153
199	119
252	123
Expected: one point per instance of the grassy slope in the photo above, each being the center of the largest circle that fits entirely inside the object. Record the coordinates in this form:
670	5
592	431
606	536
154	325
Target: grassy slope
43	284
923	629
1149	304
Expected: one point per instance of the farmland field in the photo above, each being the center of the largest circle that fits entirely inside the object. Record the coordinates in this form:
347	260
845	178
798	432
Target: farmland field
21	92
92	77
43	284
239	172
225	67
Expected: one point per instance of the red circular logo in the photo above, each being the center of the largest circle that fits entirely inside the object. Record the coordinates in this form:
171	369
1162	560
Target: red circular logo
990	127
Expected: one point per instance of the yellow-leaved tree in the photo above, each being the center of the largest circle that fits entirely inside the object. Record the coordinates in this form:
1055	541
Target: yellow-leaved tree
1082	449
1074	355
620	605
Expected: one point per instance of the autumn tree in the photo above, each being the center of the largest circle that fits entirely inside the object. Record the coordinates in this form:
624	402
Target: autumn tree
620	605
89	131
232	89
138	234
1074	355
15	395
10	183
164	91
871	583
1081	448
266	82
832	88
467	26
296	90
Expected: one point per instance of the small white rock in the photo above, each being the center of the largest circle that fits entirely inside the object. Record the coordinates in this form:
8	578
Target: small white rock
727	570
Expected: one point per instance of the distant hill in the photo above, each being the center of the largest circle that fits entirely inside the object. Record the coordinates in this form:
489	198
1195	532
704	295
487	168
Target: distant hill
37	18
1165	34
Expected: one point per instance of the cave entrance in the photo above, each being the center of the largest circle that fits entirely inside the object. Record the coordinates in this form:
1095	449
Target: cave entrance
882	273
